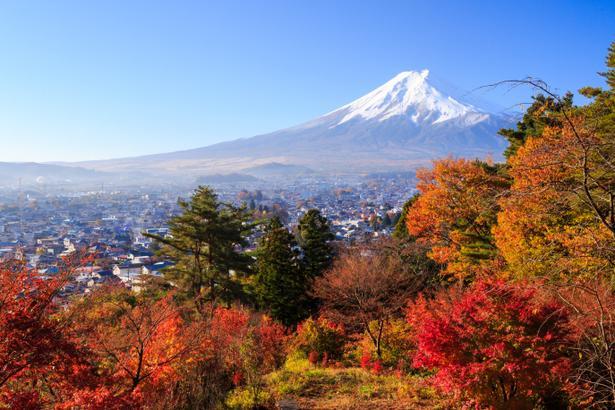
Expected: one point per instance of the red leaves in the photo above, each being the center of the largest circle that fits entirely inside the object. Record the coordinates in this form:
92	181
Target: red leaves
366	360
235	331
496	342
138	342
36	344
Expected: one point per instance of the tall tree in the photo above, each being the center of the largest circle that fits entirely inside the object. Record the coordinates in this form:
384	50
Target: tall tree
281	283
205	241
559	217
314	238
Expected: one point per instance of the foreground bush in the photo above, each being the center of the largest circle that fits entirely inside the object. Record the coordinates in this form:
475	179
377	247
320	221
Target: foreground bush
43	364
319	339
237	349
397	345
496	344
365	289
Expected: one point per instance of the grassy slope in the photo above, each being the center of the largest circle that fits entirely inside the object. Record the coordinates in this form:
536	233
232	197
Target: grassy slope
301	385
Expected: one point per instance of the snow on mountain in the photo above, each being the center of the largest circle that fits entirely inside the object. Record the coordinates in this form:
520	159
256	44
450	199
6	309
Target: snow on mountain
403	124
409	93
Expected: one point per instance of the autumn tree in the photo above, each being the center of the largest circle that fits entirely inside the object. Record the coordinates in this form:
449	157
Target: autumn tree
281	282
42	362
363	290
235	348
30	337
559	218
205	241
455	213
496	344
139	341
261	351
592	314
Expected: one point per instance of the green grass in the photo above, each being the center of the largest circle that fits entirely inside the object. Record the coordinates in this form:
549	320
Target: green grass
349	388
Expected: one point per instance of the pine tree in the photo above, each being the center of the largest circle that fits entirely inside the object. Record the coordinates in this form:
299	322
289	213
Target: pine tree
280	283
545	111
401	230
609	74
204	241
314	237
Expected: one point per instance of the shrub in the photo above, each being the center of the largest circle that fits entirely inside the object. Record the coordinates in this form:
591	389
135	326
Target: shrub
243	399
397	345
497	344
317	337
238	349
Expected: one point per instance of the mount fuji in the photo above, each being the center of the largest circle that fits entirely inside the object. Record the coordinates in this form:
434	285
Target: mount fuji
401	125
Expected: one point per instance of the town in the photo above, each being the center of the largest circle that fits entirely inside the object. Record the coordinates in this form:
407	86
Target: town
43	228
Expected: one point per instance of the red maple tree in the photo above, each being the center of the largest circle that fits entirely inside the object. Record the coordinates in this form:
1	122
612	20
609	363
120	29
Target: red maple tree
497	343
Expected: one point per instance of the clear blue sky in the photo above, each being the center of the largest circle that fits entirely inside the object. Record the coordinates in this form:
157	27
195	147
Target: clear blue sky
101	79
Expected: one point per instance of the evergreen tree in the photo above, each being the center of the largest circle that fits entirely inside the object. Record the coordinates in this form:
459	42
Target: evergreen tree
609	74
545	111
401	230
314	237
204	241
386	220
280	282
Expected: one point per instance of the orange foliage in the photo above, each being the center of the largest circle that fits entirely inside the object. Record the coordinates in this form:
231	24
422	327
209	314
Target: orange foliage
455	212
546	225
138	343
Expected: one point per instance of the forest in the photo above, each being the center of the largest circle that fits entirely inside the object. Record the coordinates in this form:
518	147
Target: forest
496	291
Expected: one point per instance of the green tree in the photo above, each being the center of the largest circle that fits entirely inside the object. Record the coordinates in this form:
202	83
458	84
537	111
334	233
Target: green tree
401	230
609	74
280	283
314	235
205	242
545	111
601	112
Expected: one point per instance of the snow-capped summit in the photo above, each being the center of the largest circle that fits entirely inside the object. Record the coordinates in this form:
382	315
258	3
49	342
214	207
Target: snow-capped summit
409	93
403	124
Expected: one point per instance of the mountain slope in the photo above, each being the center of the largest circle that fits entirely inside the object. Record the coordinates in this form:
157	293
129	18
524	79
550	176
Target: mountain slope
402	124
32	173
